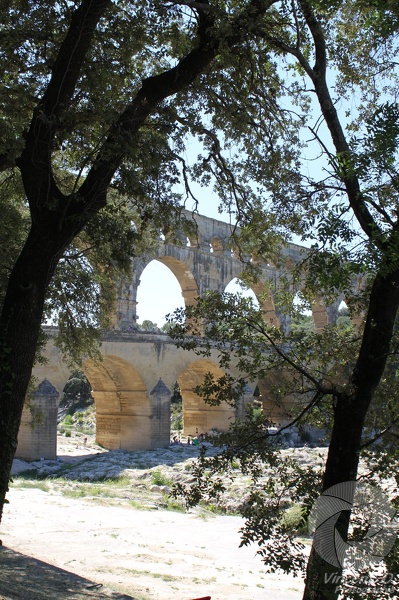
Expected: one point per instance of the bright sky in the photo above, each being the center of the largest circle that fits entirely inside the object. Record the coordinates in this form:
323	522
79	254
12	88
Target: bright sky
152	304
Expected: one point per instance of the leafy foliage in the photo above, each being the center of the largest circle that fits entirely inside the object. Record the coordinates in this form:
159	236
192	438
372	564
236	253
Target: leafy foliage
148	325
100	101
333	378
77	386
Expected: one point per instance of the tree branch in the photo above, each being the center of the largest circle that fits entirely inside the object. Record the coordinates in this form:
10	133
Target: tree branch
157	88
203	7
319	387
68	65
316	30
344	157
280	430
379	435
35	160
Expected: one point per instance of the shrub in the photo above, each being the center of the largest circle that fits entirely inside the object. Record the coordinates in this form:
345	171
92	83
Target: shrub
159	478
293	519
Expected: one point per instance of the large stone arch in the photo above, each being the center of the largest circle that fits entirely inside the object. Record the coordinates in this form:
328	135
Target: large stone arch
265	298
123	408
199	417
183	274
180	261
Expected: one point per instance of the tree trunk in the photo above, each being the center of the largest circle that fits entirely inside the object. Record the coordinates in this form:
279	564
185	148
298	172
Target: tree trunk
20	324
350	412
342	464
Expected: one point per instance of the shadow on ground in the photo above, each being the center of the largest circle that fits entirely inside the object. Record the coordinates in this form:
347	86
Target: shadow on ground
25	578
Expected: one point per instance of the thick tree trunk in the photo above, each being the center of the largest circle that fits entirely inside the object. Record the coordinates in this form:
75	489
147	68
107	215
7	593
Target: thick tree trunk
20	324
350	413
342	464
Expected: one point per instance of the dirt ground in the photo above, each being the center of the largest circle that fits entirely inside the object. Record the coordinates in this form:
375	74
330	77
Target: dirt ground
144	554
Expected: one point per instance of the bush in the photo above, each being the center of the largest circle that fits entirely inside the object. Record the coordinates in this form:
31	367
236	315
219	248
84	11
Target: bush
159	478
176	423
293	519
68	420
176	419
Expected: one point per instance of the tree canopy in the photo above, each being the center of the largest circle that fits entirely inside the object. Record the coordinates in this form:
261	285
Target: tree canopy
294	104
98	102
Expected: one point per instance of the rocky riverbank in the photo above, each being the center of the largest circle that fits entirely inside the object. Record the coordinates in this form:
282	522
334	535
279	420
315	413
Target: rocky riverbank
106	516
144	477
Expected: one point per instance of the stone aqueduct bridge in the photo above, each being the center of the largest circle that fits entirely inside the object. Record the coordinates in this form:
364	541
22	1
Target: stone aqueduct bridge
132	385
208	263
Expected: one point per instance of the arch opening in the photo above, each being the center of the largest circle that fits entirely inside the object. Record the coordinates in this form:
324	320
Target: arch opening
262	297
348	319
76	407
276	399
188	286
176	413
158	294
301	318
236	286
344	320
